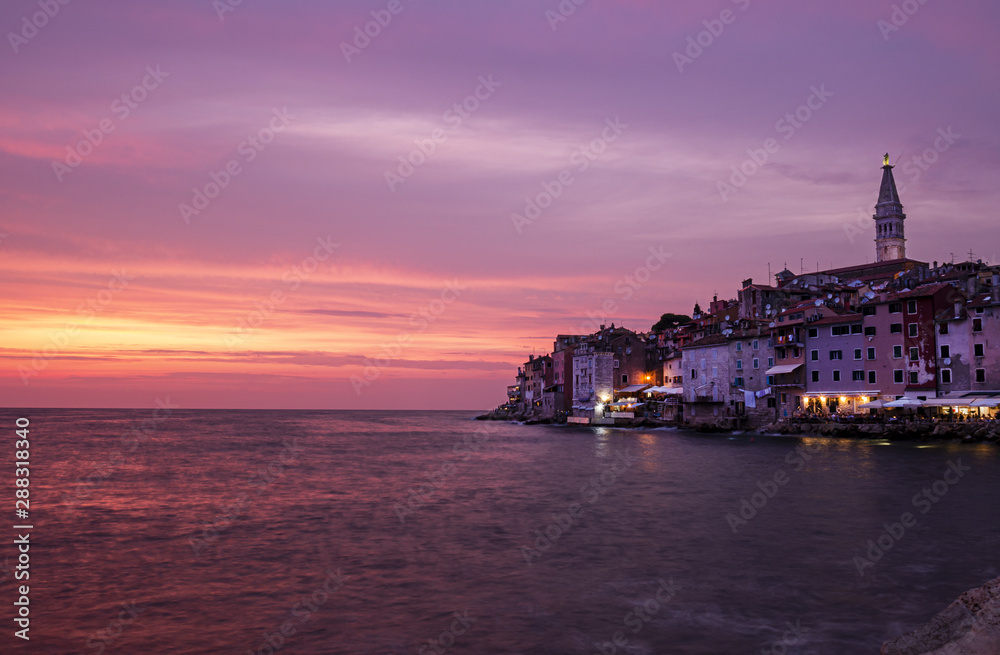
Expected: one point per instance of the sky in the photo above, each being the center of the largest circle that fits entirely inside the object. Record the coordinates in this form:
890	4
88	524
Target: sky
392	203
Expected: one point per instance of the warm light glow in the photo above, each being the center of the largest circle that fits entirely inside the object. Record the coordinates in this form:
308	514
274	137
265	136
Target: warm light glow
843	400
885	160
822	399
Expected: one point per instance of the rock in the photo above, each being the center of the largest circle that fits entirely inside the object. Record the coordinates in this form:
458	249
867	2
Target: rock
969	626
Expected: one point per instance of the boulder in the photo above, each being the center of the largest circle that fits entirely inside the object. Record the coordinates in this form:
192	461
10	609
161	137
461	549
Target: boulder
969	626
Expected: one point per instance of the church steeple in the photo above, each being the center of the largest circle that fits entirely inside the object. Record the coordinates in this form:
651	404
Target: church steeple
889	238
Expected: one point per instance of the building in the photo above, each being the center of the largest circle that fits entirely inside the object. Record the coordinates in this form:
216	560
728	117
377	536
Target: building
835	366
890	243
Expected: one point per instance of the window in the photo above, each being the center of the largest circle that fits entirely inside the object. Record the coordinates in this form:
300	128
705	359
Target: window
856	328
871	354
980	375
739	364
813	333
814	355
781	353
979	349
770	379
895	307
739	346
784	398
770	343
868	311
897	352
815	376
756	363
756	344
871	377
770	362
694	374
715	353
870	331
858	376
795	353
913	377
772	402
715	372
946	376
836	376
943	329
977	325
617	363
896	328
911	306
840	330
857	353
912	327
624	379
945	351
897	376
914	354
836	354
738	382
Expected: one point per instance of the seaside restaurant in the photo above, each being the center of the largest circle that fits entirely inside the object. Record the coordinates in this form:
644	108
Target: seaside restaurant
841	403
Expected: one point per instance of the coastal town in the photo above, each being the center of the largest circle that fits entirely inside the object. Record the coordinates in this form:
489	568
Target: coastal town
893	340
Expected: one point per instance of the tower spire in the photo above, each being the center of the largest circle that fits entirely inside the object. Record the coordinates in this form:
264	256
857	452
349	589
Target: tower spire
890	242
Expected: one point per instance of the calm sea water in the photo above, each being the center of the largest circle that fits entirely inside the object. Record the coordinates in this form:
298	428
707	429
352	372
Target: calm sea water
213	531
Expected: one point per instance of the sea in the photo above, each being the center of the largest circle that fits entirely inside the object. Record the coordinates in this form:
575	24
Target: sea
187	531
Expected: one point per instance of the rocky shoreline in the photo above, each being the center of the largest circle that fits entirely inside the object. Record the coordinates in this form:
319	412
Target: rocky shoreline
969	626
971	432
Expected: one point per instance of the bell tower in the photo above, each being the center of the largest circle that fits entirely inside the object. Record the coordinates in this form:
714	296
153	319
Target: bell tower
889	240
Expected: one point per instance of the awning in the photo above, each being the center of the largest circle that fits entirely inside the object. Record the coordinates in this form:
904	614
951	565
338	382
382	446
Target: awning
780	370
986	402
905	402
670	391
875	404
635	388
585	406
631	403
948	402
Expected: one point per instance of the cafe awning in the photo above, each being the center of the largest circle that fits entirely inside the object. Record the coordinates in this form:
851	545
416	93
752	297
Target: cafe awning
635	388
905	401
780	370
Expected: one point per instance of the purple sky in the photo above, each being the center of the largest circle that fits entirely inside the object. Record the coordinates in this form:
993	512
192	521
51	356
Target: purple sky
175	329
